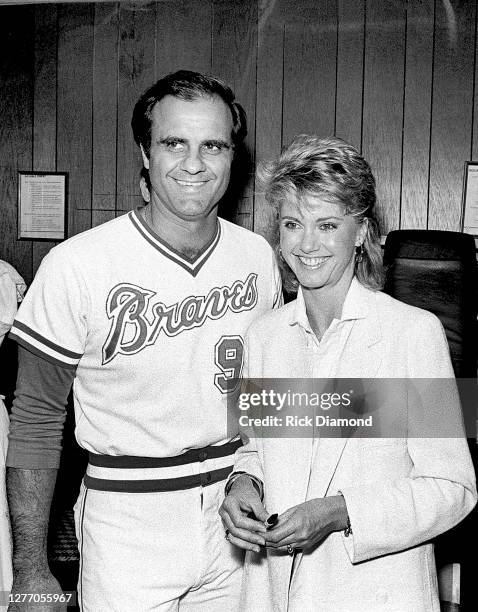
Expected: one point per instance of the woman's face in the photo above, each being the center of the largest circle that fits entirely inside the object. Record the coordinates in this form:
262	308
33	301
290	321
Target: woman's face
318	241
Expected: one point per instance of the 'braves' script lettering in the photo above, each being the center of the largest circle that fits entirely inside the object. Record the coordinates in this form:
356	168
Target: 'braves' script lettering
135	323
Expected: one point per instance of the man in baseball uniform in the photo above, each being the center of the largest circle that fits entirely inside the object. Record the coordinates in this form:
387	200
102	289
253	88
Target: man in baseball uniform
145	317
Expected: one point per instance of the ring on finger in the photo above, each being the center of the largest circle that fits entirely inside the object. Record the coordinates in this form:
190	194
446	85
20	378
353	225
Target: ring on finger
226	534
290	549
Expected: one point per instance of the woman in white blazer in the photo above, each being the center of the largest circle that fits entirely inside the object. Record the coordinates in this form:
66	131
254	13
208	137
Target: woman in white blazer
356	515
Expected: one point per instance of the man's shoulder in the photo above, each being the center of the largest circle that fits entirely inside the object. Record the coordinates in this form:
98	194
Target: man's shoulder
237	232
90	241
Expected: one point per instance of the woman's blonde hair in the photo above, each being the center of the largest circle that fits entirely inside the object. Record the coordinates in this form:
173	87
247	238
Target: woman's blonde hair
333	170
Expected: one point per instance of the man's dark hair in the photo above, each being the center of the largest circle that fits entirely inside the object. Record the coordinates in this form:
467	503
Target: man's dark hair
185	85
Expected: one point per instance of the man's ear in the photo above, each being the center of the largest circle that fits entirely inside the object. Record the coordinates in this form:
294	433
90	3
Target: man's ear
145	158
145	193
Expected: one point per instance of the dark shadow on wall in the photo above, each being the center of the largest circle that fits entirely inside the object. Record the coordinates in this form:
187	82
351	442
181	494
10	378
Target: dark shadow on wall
242	175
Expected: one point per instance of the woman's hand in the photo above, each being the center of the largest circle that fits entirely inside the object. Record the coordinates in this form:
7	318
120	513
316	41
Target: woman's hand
305	525
241	501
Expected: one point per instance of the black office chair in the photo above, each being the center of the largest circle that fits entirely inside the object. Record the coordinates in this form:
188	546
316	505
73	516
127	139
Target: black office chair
437	271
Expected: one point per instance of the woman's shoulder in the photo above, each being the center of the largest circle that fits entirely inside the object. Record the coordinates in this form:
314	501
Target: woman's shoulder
400	313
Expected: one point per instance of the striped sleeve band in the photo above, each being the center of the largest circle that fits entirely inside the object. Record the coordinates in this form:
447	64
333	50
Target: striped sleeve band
41	346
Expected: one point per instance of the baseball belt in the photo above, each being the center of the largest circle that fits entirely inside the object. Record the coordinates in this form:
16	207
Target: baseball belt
163	465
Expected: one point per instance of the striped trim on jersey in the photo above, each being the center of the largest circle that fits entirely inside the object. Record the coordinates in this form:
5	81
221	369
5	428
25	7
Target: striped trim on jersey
41	346
158	485
193	455
199	467
190	265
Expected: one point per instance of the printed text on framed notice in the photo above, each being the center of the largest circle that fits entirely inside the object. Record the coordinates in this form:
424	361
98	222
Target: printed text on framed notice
42	205
470	198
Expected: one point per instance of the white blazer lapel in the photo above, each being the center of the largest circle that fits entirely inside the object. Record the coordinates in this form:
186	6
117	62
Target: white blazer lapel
329	452
361	358
362	355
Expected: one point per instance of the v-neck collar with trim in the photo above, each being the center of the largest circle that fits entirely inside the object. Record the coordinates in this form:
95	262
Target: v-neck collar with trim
191	265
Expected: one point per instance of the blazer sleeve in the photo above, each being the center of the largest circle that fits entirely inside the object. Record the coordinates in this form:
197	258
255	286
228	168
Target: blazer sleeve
247	458
440	488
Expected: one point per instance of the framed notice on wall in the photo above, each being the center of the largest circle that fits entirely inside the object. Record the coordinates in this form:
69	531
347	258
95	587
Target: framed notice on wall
42	205
469	217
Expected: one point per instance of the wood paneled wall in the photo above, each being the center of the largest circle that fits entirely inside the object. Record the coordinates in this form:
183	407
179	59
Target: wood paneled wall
395	78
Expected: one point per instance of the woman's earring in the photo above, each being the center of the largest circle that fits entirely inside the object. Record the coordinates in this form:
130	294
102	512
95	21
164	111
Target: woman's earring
358	253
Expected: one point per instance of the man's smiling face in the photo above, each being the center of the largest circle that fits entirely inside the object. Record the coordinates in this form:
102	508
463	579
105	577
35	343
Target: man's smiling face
190	156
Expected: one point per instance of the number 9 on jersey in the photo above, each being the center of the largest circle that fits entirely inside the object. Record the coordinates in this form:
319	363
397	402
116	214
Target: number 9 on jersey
228	357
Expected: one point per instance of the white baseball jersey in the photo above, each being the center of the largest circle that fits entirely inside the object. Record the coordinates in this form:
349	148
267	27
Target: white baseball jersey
154	337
